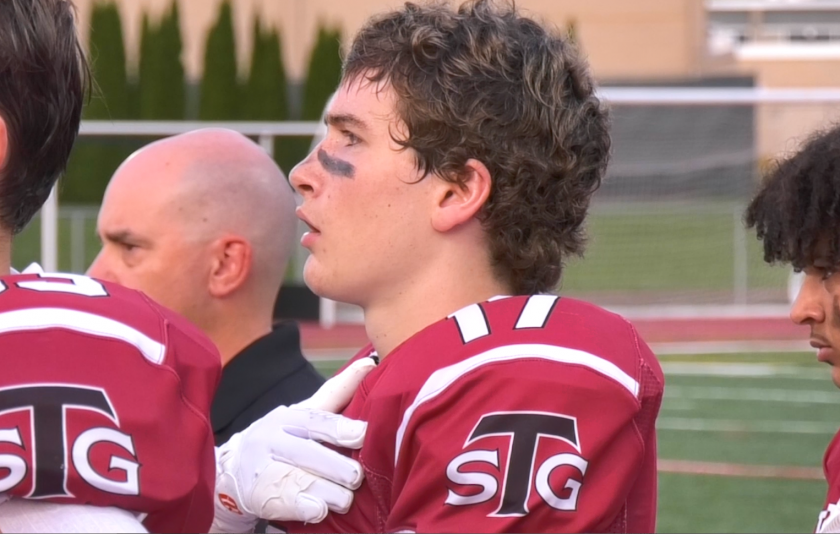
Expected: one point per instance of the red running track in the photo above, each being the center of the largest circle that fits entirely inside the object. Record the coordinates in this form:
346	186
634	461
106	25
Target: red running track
352	336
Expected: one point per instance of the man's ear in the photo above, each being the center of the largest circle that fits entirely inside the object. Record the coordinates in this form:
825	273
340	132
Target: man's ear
232	264
458	203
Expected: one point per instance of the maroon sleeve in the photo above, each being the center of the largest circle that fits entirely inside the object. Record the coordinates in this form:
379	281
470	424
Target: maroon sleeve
197	364
530	445
104	400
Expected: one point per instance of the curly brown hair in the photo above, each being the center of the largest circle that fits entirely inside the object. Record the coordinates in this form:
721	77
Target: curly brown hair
485	82
796	212
43	81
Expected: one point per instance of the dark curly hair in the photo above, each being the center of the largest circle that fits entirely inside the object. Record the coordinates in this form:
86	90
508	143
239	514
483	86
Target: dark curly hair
796	212
485	82
43	80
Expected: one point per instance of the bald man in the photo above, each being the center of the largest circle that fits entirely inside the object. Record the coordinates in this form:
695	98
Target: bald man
204	223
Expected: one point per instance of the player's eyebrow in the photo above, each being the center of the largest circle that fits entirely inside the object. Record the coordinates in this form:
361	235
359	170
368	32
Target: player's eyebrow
335	166
338	120
123	237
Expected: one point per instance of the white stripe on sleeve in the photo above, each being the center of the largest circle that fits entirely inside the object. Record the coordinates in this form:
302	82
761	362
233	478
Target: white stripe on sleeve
441	379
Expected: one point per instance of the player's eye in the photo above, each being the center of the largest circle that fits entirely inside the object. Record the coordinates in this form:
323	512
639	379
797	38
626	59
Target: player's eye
352	139
824	270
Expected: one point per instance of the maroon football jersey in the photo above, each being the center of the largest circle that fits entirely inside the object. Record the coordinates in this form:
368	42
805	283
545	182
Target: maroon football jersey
521	414
104	400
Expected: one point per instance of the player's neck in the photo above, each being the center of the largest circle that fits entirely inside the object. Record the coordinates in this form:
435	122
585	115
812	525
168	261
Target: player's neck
5	253
391	322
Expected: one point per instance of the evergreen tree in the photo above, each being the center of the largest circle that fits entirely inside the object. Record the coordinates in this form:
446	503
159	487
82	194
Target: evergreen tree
146	81
173	69
162	89
148	35
324	73
95	159
323	76
265	92
219	85
110	95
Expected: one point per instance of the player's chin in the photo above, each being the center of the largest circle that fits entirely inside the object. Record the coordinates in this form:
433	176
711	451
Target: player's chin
328	283
315	277
310	273
835	374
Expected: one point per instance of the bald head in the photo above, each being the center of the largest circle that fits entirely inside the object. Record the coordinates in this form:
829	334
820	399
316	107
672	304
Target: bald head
227	184
179	208
217	181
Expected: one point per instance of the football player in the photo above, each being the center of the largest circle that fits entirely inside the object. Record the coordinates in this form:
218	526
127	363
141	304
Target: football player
462	148
104	395
103	399
796	214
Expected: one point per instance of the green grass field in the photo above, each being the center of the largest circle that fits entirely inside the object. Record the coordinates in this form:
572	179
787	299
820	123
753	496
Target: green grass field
752	409
638	254
665	248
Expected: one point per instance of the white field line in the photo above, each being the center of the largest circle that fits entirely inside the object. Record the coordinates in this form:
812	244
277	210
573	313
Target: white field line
738	369
741	394
691	467
681	405
661	349
708	311
730	347
746	427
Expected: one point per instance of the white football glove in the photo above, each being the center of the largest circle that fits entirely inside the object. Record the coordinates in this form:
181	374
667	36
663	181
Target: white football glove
829	520
275	470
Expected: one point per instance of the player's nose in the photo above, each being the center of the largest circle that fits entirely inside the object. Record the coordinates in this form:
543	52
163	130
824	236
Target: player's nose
808	307
100	269
304	177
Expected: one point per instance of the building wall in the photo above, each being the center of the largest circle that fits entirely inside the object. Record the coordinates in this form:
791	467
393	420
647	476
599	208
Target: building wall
780	128
641	39
623	40
777	45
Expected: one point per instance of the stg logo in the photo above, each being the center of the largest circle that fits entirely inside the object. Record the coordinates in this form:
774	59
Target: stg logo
47	406
525	431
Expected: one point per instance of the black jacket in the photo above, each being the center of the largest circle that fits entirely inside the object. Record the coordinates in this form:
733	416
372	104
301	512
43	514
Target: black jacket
269	372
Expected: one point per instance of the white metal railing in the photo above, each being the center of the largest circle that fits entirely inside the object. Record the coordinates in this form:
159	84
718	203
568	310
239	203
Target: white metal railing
265	132
763	5
718	96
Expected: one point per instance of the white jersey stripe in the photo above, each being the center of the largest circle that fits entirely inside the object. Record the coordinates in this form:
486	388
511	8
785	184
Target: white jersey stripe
536	311
471	322
441	379
88	323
